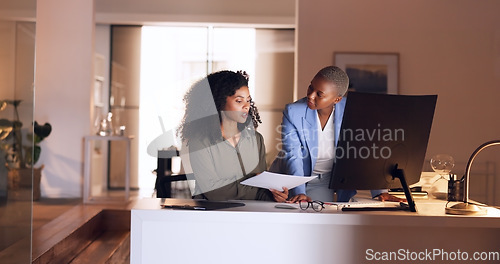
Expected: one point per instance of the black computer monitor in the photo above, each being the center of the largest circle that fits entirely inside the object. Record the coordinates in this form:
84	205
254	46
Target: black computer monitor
382	138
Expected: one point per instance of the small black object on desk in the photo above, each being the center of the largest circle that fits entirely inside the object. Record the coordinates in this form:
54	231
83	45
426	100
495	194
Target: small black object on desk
203	205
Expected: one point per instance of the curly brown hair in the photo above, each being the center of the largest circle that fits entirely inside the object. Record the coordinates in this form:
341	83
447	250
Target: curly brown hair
203	116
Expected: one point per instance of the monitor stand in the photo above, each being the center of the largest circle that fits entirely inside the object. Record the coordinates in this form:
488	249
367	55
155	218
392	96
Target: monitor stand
410	206
400	174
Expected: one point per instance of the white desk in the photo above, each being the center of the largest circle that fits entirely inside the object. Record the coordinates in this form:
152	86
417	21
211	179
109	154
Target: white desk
260	233
87	197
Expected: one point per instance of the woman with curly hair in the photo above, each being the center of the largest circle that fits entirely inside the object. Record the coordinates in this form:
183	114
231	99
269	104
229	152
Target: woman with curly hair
218	129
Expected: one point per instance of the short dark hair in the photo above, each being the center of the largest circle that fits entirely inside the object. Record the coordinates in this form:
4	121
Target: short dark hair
337	76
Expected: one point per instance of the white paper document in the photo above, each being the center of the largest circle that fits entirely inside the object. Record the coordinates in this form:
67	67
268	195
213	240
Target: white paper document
269	180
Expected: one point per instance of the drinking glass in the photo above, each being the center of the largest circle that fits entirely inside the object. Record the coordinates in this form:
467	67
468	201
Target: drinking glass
441	164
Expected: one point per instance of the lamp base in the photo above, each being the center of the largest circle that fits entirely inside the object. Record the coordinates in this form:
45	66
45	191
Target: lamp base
465	209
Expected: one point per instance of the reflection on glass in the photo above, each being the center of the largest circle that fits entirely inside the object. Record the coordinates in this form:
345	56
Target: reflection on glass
172	59
17	46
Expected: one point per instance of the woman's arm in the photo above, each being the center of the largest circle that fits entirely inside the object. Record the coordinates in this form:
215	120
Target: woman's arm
291	145
207	181
218	172
293	149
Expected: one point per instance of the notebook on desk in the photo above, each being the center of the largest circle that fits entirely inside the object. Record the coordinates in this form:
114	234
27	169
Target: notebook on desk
366	204
202	205
363	204
360	202
416	192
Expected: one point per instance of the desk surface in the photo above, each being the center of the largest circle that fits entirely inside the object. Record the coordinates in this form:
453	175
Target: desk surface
431	212
261	233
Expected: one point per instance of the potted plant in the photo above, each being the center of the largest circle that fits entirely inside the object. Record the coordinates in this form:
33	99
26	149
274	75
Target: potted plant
20	158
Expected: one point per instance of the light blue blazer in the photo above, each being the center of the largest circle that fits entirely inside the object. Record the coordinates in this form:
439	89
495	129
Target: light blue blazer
299	140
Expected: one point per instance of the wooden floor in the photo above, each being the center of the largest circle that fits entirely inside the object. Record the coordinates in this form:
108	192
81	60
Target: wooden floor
48	209
16	220
68	231
54	220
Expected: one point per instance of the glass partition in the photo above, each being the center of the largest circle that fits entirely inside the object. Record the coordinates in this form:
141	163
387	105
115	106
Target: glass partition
17	50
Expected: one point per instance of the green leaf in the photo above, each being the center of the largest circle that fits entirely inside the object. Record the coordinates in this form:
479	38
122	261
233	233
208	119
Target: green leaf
36	154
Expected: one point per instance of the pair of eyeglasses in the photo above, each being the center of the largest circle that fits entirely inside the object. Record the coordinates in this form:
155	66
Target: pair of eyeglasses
317	206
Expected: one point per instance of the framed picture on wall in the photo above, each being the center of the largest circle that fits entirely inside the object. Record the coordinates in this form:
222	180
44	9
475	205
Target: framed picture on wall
370	72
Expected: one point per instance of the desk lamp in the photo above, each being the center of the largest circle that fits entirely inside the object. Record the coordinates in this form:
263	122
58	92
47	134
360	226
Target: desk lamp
467	208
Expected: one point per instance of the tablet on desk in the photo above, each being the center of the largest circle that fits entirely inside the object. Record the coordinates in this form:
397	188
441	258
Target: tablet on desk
202	205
